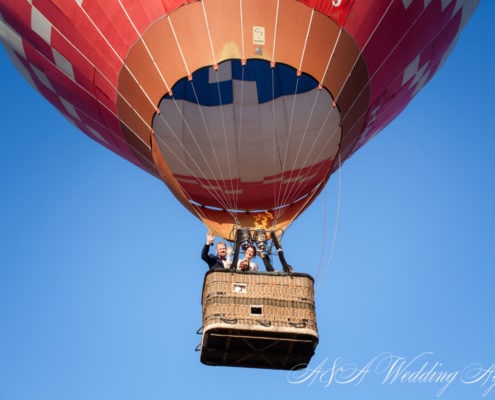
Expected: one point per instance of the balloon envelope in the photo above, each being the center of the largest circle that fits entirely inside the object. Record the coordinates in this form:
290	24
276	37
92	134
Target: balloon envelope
243	108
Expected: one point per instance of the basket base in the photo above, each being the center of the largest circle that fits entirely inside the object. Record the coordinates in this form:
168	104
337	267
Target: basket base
257	349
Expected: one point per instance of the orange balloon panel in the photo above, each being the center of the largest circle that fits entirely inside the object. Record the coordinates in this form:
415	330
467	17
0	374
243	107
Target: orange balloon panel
243	108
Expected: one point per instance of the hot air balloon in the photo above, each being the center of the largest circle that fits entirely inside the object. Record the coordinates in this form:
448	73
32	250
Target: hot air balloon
242	108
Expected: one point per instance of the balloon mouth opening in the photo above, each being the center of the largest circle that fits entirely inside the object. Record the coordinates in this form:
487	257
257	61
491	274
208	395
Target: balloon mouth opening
247	136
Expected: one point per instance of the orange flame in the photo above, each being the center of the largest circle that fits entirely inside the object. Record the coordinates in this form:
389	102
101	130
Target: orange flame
263	221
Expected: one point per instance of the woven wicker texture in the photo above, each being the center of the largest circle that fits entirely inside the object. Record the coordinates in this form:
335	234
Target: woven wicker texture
240	299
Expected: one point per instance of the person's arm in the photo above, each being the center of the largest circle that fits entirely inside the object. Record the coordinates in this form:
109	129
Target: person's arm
206	248
228	258
204	253
242	265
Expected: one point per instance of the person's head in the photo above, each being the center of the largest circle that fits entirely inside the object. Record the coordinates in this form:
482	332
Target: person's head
221	249
250	252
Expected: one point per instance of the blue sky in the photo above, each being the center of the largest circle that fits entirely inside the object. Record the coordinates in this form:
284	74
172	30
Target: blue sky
100	278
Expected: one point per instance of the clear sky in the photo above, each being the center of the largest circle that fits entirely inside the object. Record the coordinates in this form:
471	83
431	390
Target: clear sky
101	276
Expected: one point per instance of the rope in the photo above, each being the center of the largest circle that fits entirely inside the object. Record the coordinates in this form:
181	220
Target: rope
281	194
207	24
116	53
299	68
238	138
275	31
283	199
145	46
231	204
297	189
186	165
276	155
241	18
334	239
324	235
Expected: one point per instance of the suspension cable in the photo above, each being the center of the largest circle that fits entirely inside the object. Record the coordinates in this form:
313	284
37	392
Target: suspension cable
334	238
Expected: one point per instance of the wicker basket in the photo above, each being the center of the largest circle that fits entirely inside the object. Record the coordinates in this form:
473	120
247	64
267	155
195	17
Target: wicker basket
258	319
